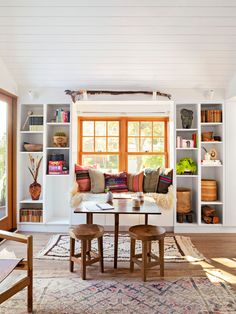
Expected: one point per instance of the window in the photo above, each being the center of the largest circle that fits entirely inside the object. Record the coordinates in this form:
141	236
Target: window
121	144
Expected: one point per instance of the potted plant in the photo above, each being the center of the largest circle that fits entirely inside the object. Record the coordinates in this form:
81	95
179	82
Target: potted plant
60	139
186	166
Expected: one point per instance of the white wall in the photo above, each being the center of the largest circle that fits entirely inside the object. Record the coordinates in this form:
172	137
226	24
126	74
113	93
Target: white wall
7	81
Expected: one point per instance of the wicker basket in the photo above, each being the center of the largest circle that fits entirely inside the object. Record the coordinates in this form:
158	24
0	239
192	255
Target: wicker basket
183	200
209	190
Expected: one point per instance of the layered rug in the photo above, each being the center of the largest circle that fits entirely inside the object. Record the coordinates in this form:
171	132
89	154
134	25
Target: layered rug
177	248
73	295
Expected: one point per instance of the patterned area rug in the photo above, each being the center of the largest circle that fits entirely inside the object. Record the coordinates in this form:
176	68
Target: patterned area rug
177	248
73	295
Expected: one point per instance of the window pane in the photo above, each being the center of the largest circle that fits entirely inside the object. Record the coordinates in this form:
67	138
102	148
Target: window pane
113	144
158	145
88	144
146	128
3	159
100	128
137	163
88	128
106	163
133	128
133	144
145	144
113	128
100	144
158	128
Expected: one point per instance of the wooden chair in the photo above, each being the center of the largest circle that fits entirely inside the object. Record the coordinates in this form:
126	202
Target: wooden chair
85	233
26	265
147	234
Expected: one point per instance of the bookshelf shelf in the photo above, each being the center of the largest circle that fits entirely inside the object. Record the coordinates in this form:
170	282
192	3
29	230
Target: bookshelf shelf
30	201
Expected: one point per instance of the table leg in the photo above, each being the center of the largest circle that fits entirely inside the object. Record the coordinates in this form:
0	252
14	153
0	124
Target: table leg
146	219
116	240
89	218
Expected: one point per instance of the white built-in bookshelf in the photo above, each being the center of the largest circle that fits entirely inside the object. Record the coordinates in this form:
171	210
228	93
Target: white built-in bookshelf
197	153
56	210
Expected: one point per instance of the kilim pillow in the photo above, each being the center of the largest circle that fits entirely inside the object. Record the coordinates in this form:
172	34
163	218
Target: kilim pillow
135	181
82	178
165	180
116	182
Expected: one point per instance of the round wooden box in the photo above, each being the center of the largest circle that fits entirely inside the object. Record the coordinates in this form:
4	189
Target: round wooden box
183	200
209	190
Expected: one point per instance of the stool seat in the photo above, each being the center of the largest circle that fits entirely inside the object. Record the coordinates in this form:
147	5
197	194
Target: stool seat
86	232
147	232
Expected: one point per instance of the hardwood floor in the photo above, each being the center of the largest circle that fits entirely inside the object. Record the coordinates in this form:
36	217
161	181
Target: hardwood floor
220	249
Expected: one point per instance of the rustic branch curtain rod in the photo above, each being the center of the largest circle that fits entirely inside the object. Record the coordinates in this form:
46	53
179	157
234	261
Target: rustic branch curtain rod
76	95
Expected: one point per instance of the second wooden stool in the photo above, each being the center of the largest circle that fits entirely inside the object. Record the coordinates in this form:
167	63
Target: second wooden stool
147	234
85	233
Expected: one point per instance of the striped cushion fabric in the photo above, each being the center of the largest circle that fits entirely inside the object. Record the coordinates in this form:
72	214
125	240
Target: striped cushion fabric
135	182
165	180
116	182
82	178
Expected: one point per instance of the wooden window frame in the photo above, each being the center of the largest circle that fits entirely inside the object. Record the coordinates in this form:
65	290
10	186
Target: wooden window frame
123	139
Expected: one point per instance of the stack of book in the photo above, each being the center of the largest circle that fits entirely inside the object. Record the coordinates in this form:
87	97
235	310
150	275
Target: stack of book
62	116
36	123
211	116
31	215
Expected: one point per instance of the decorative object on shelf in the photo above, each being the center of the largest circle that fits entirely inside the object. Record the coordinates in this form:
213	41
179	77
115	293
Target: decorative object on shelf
183	200
209	215
29	147
60	139
207	136
29	113
78	95
212	163
217	138
35	187
187	118
210	116
186	166
187	143
208	190
213	153
207	156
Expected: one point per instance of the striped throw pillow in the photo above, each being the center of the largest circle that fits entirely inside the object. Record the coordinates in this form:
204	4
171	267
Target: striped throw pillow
116	182
82	178
135	181
165	180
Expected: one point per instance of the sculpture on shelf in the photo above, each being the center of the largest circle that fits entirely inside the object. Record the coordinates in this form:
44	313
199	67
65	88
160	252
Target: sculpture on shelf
78	95
35	187
187	118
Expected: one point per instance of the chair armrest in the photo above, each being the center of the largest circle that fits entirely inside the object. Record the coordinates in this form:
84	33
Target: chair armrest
13	236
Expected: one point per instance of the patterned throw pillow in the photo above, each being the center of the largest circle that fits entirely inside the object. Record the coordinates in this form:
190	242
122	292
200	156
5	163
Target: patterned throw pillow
116	182
165	180
97	181
82	178
150	181
135	182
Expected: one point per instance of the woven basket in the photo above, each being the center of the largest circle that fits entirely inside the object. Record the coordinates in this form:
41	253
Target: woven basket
207	136
209	190
183	200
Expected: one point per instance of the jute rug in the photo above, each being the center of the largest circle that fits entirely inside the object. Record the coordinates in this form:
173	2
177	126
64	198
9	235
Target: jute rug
177	248
72	295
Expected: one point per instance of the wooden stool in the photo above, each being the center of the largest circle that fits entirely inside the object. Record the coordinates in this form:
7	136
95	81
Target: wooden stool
85	233
147	234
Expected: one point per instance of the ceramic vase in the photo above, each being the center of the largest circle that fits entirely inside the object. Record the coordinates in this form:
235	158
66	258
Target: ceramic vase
35	190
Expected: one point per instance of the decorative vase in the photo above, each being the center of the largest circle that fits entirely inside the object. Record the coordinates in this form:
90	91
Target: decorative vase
187	118
35	190
109	197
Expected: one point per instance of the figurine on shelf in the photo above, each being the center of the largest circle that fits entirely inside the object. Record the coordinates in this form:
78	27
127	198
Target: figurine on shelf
60	139
187	118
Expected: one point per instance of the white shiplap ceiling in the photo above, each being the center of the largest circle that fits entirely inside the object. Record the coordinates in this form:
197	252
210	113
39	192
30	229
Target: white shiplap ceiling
128	44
